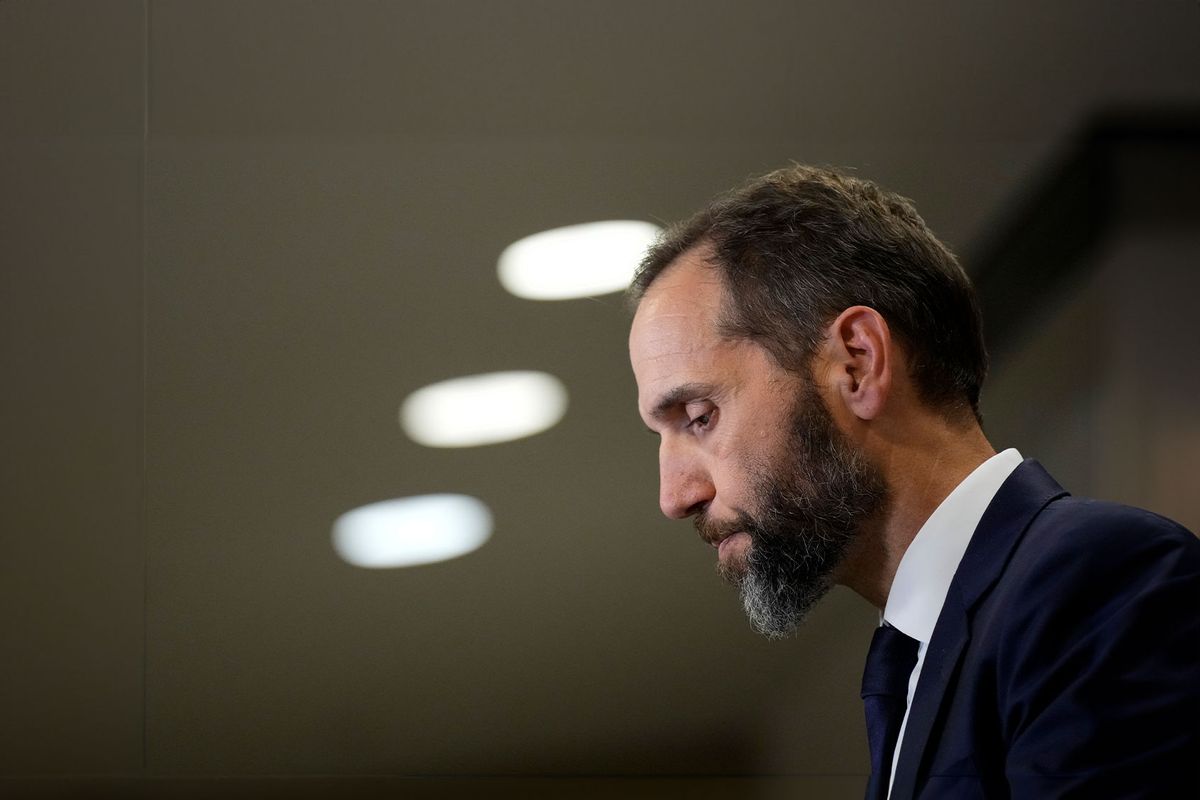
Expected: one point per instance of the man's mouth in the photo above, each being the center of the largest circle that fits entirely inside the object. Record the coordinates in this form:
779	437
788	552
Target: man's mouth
732	540
715	532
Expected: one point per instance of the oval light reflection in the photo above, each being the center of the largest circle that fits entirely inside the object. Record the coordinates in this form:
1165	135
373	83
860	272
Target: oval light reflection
412	530
483	409
576	261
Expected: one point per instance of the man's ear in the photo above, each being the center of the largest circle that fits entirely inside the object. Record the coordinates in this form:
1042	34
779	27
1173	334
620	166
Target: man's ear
859	348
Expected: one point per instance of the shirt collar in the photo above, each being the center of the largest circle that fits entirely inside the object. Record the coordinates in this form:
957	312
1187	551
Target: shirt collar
928	565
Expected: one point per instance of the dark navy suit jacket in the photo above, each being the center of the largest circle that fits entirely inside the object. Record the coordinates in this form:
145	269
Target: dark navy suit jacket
1066	660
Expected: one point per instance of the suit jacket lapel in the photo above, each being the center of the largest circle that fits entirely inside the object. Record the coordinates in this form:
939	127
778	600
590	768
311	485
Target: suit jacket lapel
1021	497
942	658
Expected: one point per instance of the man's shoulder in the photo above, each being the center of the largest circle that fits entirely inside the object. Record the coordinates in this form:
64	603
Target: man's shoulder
1085	531
1092	586
1036	544
1081	556
1082	655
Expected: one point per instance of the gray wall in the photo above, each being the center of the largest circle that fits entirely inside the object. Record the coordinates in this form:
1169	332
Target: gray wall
73	590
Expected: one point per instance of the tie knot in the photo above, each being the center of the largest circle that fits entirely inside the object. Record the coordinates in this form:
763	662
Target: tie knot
890	662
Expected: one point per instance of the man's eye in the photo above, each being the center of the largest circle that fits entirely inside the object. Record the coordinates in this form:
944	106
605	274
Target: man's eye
701	421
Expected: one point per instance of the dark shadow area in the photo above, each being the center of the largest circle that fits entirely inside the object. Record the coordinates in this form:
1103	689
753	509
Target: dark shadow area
1126	169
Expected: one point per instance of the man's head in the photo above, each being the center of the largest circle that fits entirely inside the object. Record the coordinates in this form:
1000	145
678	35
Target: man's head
735	308
797	246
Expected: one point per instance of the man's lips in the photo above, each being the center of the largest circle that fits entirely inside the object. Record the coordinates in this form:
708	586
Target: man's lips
716	540
716	537
729	540
714	534
716	531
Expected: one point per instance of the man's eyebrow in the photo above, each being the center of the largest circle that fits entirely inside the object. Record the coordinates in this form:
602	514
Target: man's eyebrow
678	395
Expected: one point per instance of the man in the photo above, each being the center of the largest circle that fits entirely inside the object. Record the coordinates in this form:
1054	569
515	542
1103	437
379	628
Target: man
811	357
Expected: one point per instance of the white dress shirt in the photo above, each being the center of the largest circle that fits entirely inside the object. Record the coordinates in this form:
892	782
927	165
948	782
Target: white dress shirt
928	565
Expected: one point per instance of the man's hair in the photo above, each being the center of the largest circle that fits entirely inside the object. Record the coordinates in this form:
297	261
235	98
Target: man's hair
800	245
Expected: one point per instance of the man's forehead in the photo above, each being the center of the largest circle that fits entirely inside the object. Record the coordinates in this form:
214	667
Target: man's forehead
673	325
692	273
687	294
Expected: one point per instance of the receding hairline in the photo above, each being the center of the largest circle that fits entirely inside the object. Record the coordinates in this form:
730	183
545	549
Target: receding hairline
708	257
703	248
705	251
835	230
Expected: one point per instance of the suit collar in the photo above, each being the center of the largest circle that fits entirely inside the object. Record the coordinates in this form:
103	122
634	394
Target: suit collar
1021	497
1026	492
925	572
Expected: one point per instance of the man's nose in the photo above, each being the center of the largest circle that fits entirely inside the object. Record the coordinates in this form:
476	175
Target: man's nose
684	487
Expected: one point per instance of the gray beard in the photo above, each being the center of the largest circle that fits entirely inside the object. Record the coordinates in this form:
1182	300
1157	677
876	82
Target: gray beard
812	509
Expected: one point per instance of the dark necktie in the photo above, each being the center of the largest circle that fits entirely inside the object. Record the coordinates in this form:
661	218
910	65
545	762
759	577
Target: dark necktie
890	662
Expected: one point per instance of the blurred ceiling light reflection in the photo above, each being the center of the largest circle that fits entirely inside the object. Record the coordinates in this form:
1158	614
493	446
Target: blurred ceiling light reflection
576	261
412	530
483	409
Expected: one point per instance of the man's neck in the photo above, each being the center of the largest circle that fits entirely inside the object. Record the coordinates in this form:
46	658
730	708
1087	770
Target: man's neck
920	474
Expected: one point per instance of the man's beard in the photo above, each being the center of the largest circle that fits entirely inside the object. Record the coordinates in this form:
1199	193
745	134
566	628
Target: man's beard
810	509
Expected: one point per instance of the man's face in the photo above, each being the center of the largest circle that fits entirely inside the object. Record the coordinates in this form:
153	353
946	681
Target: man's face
747	449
